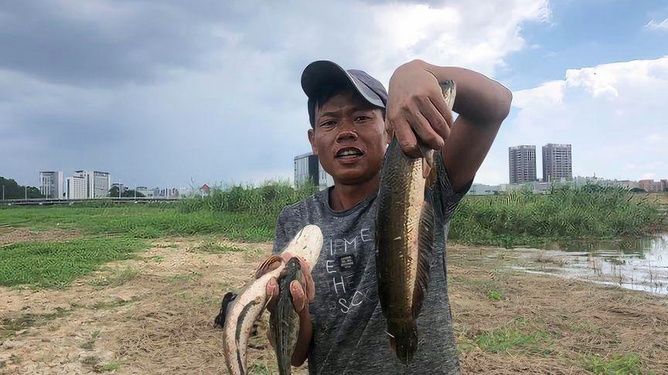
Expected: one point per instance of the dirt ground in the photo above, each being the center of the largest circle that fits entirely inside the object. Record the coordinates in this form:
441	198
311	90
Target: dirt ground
153	315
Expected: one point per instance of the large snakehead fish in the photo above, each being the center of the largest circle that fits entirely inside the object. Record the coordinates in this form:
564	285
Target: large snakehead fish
405	239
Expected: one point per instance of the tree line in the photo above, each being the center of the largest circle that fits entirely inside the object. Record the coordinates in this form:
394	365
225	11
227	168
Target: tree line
12	190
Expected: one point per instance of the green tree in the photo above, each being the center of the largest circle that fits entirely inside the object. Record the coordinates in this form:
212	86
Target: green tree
15	191
113	192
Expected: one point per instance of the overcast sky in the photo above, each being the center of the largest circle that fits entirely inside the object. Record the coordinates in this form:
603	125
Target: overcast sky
163	93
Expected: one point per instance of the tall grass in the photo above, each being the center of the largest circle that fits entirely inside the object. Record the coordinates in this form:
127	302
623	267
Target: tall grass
523	218
266	199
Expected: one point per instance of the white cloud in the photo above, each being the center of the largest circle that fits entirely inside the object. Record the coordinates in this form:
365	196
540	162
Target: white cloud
661	26
614	115
161	93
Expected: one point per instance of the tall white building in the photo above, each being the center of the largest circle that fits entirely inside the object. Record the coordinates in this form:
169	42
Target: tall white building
76	187
51	184
97	183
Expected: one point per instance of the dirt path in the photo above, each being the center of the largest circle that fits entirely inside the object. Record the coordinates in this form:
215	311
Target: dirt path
153	314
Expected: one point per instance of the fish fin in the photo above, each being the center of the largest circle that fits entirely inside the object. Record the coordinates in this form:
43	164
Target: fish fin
393	342
425	251
403	339
225	306
265	266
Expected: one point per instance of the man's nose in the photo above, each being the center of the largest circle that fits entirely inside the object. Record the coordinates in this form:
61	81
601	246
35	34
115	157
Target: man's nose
347	133
346	136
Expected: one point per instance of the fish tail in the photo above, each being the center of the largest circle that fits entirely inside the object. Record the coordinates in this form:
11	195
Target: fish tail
403	338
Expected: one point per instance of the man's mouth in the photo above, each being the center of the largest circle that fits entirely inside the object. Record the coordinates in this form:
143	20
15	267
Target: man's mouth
349	153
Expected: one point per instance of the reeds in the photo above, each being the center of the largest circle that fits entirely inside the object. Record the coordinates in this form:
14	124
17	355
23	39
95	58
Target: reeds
266	199
523	218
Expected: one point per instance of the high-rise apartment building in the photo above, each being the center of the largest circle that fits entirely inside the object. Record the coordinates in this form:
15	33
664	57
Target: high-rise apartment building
308	168
51	184
557	162
97	183
76	187
522	162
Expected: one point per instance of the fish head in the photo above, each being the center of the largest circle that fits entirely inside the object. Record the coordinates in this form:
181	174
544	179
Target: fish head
307	244
293	265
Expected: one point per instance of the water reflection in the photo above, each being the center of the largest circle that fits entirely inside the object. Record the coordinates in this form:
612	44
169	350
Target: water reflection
640	264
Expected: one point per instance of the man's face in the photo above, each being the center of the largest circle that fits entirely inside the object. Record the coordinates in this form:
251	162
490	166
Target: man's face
349	138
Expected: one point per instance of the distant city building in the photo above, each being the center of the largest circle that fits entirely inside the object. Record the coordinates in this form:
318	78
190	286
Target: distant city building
522	163
482	189
76	187
51	184
97	183
308	168
557	162
652	186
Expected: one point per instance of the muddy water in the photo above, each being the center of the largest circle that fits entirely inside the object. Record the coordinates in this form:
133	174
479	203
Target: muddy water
638	264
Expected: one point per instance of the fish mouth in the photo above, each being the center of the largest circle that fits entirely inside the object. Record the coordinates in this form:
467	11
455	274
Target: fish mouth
349	154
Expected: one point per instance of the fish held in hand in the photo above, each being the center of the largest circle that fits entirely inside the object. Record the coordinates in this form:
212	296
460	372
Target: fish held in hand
405	239
284	320
248	306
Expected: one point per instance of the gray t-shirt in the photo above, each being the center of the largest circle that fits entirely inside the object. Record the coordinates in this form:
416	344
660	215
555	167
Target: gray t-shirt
349	330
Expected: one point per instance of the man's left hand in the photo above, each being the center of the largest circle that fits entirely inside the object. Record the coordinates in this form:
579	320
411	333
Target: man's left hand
416	111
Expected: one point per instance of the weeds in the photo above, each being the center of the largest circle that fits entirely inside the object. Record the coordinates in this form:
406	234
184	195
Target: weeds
215	248
118	278
524	218
10	326
494	295
620	364
510	339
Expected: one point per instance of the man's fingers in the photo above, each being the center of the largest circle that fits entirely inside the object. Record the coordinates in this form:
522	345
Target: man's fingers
309	285
425	134
272	293
298	296
406	138
436	120
442	107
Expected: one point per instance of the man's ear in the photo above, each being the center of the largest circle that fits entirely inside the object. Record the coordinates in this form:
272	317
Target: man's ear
311	139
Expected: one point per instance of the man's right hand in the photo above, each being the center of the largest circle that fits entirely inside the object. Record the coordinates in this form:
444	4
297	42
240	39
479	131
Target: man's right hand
302	294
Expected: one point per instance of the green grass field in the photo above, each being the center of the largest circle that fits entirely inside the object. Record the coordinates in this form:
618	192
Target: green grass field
111	232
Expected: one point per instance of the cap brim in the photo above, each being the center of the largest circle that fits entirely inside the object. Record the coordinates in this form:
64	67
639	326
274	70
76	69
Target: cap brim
321	73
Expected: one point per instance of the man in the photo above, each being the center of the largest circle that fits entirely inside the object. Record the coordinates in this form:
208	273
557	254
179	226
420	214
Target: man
342	328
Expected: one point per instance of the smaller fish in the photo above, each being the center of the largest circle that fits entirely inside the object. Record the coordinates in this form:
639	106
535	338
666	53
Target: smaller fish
284	321
247	308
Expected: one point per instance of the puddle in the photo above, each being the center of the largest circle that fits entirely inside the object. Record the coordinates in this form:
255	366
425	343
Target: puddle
638	265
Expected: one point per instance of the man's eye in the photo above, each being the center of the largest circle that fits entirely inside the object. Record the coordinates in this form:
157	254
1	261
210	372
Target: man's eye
328	124
362	118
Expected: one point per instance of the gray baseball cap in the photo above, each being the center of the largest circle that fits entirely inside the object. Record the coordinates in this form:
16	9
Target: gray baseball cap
323	73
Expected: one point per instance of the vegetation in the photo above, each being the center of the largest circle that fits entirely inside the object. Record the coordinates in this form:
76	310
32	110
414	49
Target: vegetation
621	364
58	263
113	192
267	199
524	218
12	190
249	214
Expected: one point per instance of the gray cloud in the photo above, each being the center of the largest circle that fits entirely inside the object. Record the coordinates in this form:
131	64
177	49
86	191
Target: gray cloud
159	93
97	43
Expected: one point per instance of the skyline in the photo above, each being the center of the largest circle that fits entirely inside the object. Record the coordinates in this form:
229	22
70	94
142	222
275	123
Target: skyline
179	95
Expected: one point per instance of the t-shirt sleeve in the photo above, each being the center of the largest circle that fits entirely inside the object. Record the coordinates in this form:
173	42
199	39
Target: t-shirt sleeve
281	238
445	198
